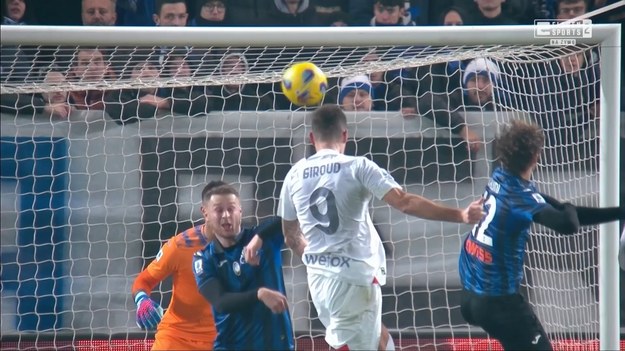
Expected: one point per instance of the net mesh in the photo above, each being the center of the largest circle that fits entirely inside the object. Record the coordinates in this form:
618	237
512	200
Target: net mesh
89	196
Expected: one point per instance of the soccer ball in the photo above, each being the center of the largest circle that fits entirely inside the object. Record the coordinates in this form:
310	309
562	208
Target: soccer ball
304	84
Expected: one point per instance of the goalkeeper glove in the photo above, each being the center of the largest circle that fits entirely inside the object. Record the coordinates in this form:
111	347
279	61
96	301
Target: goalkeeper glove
149	313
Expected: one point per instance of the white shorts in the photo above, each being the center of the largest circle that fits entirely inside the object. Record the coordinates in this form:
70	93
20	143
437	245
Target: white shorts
351	314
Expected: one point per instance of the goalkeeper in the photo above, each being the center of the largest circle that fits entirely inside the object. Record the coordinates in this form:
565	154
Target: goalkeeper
249	301
188	323
491	257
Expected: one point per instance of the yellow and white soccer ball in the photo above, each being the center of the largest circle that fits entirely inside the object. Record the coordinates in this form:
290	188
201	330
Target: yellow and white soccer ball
304	84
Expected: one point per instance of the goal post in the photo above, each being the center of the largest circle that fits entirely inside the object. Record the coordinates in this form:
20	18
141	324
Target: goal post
95	146
609	190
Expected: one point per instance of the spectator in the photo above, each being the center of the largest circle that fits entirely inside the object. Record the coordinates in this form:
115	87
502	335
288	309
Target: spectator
15	12
291	13
98	12
17	61
88	66
355	94
185	100
479	78
568	95
212	13
569	9
390	13
387	86
437	96
490	13
439	106
171	13
130	105
453	16
56	102
238	97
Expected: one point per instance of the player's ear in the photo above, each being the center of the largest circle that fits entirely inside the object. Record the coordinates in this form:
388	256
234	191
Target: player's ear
344	136
312	138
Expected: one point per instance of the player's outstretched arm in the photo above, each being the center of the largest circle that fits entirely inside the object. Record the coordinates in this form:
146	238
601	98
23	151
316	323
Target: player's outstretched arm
562	219
593	215
570	215
265	231
421	207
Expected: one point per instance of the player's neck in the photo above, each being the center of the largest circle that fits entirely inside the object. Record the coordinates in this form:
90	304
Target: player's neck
226	242
527	174
338	147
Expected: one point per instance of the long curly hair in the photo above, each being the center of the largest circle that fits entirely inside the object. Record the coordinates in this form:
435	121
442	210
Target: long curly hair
518	146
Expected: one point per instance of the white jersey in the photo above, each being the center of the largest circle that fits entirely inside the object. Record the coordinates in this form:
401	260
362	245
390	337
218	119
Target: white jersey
329	194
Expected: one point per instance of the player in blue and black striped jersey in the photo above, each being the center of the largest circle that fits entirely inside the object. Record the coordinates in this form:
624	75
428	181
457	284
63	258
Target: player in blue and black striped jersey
249	301
491	257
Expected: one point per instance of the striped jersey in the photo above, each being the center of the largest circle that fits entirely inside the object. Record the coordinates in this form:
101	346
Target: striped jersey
491	257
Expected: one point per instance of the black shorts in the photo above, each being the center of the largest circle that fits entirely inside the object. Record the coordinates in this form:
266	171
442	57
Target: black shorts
509	319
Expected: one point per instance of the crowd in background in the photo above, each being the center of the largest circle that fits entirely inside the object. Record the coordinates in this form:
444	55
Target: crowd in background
441	92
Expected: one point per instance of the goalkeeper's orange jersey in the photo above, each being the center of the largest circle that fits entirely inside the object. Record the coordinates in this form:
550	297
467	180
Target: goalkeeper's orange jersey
189	315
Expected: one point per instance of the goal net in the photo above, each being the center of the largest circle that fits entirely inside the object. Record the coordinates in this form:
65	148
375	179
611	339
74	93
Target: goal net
109	134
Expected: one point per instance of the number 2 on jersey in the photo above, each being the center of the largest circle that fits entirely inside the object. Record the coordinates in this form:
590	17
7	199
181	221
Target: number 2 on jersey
478	232
331	216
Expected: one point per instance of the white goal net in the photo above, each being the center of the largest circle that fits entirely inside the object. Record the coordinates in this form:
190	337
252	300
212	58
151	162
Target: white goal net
106	147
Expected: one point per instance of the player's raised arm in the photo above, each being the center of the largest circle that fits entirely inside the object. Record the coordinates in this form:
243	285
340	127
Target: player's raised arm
421	207
566	218
267	230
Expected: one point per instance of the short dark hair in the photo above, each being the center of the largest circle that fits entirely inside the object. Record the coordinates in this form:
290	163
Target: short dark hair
518	144
158	5
218	187
328	122
459	10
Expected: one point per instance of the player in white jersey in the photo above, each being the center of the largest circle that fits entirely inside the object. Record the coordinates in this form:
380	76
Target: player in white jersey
324	205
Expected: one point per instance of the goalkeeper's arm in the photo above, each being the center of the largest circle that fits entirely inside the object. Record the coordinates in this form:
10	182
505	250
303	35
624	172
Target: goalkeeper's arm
566	217
149	312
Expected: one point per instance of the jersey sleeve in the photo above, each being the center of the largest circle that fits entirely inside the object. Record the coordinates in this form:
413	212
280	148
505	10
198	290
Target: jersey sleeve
531	203
375	178
165	262
272	232
286	208
204	268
